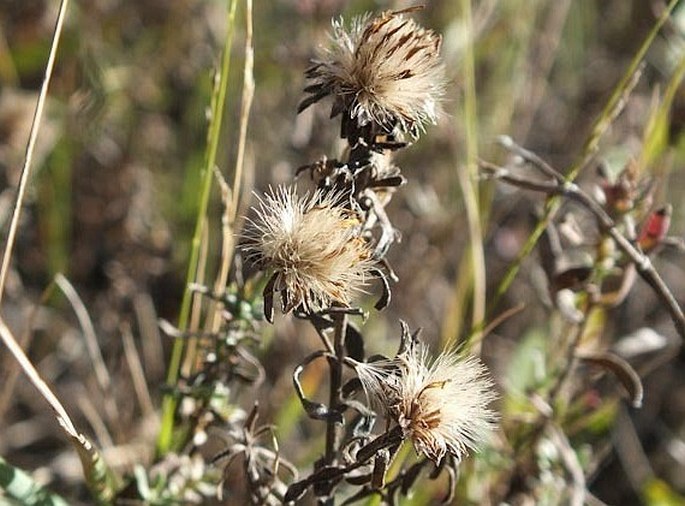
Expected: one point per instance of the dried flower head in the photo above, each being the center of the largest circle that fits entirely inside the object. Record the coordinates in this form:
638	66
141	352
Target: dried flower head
384	72
442	406
313	248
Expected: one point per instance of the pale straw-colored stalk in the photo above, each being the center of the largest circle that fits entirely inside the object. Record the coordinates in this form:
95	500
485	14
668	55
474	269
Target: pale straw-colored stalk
467	173
30	147
233	196
217	112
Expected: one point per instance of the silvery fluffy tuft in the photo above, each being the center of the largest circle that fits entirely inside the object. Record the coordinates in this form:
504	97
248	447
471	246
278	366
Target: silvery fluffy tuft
312	247
385	71
441	405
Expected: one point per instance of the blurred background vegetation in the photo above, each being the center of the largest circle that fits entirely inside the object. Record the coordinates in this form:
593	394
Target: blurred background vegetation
115	192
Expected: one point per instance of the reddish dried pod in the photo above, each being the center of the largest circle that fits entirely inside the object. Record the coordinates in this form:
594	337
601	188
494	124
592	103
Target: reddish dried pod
655	228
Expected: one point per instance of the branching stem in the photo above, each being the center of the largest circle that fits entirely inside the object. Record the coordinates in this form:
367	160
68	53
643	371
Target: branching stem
574	192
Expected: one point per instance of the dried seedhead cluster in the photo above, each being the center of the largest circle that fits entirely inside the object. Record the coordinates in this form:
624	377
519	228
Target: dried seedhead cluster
315	255
314	248
318	252
442	405
386	79
385	76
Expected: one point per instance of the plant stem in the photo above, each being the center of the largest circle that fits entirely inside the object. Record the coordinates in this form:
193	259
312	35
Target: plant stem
611	110
387	440
467	173
335	395
332	436
30	147
561	188
217	111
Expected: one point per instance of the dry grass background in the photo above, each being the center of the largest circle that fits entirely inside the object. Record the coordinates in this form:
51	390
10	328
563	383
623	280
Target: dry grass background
116	185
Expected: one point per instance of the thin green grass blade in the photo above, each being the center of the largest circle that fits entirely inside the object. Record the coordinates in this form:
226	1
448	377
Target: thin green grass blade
656	134
217	112
467	173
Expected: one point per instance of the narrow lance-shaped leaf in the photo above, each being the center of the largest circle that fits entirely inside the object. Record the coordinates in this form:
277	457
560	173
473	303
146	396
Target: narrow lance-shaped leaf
622	370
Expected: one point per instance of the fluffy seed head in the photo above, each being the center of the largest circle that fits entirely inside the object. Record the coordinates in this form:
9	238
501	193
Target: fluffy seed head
442	405
384	70
311	245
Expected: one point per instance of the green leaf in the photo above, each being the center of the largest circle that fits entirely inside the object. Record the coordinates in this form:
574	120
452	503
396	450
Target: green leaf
20	486
659	493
